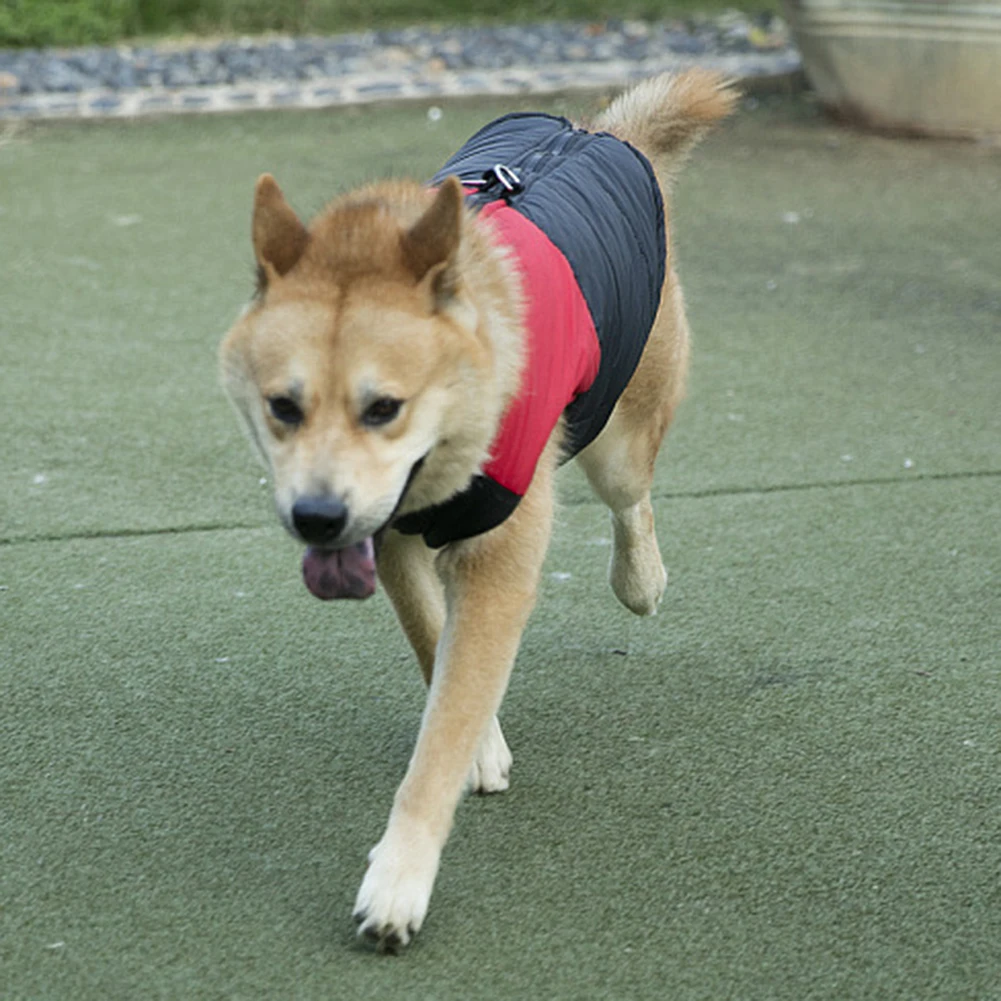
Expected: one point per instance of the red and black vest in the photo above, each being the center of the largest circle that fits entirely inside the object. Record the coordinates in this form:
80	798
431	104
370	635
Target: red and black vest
582	216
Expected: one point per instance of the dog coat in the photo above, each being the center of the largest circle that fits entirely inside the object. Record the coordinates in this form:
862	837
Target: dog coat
582	217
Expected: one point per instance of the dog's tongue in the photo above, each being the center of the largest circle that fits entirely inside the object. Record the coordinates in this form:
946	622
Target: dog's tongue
341	573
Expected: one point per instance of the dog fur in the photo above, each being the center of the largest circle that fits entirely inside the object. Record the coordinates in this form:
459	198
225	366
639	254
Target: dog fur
396	293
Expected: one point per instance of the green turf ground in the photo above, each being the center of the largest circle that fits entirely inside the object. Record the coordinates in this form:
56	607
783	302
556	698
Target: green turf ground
786	786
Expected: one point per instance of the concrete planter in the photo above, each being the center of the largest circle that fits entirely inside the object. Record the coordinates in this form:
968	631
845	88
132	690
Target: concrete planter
921	66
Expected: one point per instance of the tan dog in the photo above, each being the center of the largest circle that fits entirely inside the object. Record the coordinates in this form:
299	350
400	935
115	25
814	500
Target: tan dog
373	370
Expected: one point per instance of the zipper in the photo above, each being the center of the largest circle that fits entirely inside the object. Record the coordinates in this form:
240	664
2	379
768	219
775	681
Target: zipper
559	145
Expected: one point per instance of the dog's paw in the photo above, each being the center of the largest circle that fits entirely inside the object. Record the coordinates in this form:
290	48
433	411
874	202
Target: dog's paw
491	771
639	584
637	573
394	895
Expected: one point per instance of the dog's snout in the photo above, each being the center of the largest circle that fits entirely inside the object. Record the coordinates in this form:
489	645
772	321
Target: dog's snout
319	520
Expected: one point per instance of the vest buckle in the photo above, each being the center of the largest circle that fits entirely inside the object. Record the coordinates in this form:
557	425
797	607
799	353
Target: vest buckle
504	176
500	174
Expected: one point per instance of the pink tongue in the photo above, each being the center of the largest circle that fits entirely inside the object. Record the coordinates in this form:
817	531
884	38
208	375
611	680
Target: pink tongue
341	573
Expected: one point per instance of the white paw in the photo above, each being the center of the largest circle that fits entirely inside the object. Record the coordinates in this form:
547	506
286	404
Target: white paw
394	895
491	771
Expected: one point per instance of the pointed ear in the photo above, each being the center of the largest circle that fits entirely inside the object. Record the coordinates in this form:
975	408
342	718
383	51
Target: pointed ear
431	243
279	237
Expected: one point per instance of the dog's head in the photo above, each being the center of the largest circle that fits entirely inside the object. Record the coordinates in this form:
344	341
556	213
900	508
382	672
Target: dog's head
362	359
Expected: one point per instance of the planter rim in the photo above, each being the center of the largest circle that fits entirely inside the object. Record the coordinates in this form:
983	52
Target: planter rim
979	7
967	22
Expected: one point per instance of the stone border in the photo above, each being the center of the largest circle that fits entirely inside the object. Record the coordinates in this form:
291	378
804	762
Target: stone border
364	88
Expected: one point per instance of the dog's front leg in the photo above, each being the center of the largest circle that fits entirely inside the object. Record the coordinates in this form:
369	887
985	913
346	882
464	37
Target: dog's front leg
490	587
407	571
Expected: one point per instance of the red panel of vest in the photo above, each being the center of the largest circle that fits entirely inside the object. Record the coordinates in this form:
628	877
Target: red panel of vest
562	350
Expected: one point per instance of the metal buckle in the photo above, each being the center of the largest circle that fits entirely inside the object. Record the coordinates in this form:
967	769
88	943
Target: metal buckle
507	178
500	174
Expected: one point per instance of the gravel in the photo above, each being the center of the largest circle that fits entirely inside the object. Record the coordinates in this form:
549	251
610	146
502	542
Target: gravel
253	60
398	61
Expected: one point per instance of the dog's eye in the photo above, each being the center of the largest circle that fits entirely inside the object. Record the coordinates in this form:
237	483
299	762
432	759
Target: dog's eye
285	410
381	411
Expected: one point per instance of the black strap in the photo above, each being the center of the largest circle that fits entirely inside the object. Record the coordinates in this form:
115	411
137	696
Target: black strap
483	505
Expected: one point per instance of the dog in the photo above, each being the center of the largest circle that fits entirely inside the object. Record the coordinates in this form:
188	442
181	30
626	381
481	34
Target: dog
414	366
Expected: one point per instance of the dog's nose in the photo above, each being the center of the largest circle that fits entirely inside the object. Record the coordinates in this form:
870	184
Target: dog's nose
319	520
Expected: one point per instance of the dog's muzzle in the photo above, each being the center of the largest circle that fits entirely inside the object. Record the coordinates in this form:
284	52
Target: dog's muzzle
339	572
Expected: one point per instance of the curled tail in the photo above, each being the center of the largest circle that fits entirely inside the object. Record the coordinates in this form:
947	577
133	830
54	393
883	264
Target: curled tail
665	116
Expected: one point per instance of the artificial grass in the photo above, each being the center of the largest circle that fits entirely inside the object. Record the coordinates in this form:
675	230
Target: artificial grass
131	259
784	786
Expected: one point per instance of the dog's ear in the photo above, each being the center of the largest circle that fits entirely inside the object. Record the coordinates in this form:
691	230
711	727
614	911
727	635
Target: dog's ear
430	245
279	237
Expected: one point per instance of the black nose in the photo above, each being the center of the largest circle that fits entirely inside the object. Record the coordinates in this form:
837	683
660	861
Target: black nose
319	520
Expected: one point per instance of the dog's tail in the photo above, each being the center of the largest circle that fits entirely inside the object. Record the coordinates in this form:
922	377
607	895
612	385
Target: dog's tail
665	116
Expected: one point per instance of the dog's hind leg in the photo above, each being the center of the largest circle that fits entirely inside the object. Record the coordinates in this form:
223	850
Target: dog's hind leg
619	463
636	572
407	571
